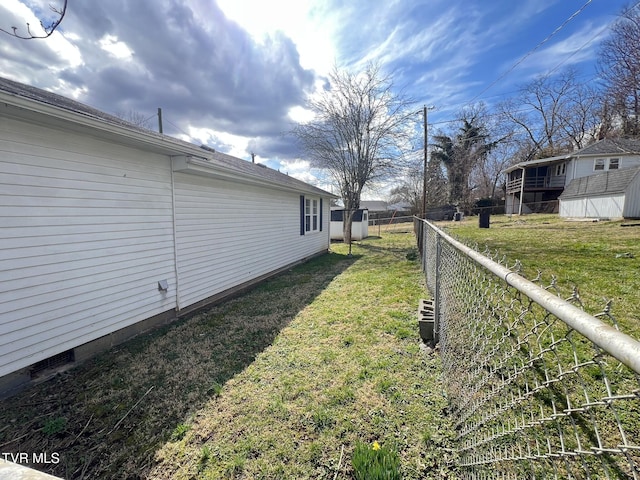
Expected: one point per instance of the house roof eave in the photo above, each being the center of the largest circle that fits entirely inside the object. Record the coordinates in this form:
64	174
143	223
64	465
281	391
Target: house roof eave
539	162
33	109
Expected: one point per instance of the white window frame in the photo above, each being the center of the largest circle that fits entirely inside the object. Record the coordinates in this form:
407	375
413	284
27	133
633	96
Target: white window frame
311	215
602	164
561	169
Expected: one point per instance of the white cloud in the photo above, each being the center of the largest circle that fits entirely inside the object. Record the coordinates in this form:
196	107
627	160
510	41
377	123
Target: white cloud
115	48
300	114
222	141
578	47
297	19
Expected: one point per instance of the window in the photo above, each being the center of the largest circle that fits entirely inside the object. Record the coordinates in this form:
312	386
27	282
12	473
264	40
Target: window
314	214
310	215
307	215
561	169
607	164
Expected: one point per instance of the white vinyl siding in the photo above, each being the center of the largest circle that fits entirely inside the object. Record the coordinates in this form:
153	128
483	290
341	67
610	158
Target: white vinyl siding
88	229
86	234
583	167
593	207
229	233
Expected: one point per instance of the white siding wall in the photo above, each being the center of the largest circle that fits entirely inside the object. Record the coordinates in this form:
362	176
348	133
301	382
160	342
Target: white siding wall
359	230
230	233
632	199
584	166
593	207
86	233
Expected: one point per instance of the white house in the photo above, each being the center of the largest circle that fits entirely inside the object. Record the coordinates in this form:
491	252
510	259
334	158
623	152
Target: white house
107	229
536	185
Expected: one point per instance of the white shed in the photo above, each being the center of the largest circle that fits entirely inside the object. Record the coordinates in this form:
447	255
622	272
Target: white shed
610	194
359	226
108	229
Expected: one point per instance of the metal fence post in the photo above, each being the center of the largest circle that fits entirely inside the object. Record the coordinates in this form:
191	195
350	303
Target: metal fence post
436	300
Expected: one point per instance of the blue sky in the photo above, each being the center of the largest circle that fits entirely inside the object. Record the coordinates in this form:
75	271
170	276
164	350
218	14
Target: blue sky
234	74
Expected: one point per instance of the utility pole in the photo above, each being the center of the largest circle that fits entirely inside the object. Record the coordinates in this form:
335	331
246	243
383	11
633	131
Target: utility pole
425	174
160	119
424	179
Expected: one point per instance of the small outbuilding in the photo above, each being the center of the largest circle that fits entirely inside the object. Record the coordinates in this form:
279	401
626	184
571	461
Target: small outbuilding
610	194
359	227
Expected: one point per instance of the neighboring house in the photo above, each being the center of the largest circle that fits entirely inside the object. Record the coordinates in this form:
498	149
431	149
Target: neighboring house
108	229
610	194
536	186
359	225
377	208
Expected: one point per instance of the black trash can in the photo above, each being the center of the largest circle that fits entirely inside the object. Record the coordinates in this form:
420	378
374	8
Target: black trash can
483	219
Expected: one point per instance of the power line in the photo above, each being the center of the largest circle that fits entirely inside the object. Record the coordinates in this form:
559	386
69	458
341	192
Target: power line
530	52
607	26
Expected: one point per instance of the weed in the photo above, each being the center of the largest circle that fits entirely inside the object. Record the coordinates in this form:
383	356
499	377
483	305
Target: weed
180	431
343	395
321	419
215	389
348	341
236	465
375	462
54	426
205	455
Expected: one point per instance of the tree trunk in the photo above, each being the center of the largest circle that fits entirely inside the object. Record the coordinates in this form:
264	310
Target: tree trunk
347	224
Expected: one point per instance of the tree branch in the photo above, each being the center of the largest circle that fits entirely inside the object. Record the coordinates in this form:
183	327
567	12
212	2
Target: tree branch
47	28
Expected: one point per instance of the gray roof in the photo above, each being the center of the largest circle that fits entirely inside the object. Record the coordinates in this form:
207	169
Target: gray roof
237	165
374	205
538	163
53	99
604	183
612	146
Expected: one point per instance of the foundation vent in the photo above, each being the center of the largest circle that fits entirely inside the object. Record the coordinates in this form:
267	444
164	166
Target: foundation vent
52	363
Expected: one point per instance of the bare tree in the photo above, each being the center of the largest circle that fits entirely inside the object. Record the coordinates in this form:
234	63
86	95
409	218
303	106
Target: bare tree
48	27
553	115
358	134
408	189
136	118
619	64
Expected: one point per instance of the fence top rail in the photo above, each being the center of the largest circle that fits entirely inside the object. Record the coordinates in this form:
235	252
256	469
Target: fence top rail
617	344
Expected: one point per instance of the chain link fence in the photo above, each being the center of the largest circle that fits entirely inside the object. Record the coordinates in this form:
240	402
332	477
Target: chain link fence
537	387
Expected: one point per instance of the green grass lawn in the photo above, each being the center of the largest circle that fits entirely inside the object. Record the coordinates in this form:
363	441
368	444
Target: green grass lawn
281	382
602	259
547	370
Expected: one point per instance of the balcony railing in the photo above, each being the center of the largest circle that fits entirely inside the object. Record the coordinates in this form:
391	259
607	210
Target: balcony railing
536	183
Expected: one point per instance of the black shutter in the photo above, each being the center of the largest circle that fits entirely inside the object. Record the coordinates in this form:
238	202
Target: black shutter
321	214
301	214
